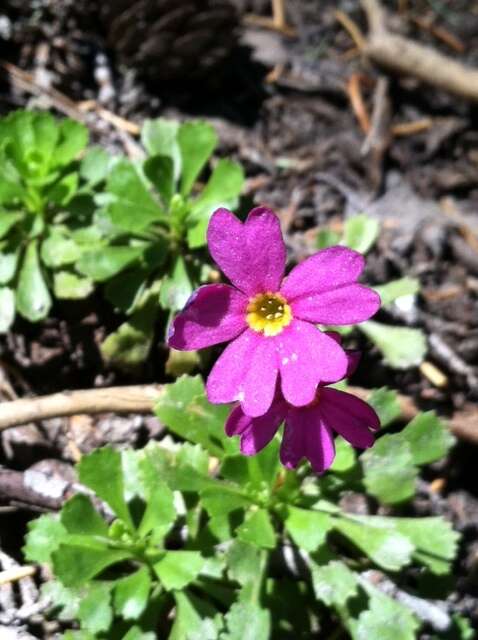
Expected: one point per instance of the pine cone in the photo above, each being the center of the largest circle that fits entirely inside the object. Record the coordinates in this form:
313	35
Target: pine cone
173	40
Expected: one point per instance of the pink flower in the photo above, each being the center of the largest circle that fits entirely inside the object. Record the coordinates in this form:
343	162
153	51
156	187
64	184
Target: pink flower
270	320
309	431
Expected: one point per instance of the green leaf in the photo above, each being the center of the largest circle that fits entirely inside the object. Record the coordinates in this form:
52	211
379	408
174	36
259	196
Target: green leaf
434	540
246	621
131	594
429	438
128	347
65	601
389	470
176	287
385	619
7	218
102	472
7	309
160	513
388	549
326	238
76	564
334	583
8	266
135	208
178	568
257	529
69	286
222	499
307	528
185	410
33	298
197	141
159	138
160	171
188	616
79	516
402	347
62	191
45	534
95	166
223	189
58	250
135	633
390	291
345	457
95	613
242	561
102	264
73	139
385	402
360	232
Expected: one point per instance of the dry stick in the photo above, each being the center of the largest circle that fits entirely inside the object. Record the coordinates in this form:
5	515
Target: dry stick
407	57
142	398
16	573
132	399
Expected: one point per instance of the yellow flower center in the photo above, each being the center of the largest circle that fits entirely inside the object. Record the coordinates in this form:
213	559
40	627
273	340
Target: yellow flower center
268	313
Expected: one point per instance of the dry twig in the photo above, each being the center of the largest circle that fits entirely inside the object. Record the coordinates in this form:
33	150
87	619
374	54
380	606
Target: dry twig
405	56
142	398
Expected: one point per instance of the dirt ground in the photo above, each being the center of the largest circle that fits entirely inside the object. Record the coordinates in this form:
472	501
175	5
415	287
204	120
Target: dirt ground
406	154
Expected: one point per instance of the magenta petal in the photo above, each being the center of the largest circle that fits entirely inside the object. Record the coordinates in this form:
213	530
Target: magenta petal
260	380
348	415
255	433
347	304
306	436
325	270
246	371
252	255
214	313
307	356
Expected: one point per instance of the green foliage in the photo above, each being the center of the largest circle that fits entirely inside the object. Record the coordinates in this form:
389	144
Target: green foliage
41	184
192	529
401	347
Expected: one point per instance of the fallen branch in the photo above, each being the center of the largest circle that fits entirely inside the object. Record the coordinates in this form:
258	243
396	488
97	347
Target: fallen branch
142	398
407	57
133	399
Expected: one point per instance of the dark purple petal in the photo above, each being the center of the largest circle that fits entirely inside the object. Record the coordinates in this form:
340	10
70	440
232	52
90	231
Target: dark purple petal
246	371
347	304
215	313
353	359
349	416
325	270
307	356
252	255
306	436
255	433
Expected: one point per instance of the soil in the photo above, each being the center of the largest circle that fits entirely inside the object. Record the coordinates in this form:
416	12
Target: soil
283	110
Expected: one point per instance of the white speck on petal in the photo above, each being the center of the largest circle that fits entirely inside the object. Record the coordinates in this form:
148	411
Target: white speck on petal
294	357
285	360
240	396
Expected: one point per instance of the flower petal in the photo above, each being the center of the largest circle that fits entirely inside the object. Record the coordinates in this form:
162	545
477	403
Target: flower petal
252	255
307	356
246	371
260	379
348	415
306	436
325	270
348	304
255	433
214	313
